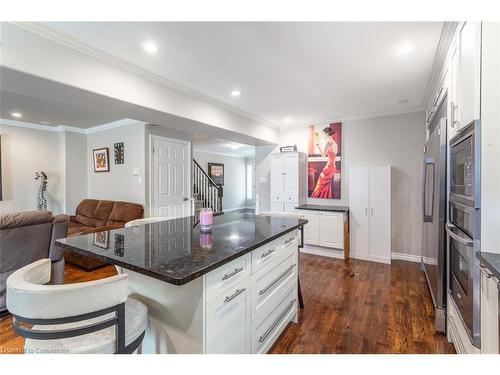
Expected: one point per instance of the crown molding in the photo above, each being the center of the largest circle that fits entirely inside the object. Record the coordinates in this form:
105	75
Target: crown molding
62	128
398	112
72	43
205	151
447	34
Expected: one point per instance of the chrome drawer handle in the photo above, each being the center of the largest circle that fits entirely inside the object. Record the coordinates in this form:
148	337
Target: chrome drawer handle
289	240
234	295
229	275
268	253
262	291
270	329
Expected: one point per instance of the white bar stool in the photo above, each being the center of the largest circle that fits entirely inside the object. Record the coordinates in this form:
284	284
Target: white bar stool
90	317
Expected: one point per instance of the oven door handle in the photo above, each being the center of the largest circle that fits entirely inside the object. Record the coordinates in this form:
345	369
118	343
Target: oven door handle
464	241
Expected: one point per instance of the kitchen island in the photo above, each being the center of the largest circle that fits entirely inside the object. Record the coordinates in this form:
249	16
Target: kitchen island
232	290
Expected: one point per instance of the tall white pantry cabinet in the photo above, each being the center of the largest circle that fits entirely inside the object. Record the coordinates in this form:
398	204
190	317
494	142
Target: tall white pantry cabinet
370	213
288	181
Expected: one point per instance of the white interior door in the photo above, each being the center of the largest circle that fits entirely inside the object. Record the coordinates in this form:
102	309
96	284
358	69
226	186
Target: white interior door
171	177
359	192
380	213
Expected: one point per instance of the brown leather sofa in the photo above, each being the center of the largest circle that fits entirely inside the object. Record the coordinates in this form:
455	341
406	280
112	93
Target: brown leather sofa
94	215
26	237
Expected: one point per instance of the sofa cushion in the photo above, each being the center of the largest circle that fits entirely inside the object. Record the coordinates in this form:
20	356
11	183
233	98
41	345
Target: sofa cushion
103	210
87	207
124	212
21	219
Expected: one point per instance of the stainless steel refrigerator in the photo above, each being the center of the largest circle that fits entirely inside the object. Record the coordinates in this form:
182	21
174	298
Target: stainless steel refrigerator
434	213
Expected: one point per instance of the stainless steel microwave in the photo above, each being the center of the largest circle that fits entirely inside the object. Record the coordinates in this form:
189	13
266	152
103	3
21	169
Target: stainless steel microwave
465	164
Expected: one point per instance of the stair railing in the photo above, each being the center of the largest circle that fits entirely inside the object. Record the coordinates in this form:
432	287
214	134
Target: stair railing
206	189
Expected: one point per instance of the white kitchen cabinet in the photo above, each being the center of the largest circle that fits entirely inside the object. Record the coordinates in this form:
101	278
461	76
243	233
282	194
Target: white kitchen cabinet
470	72
489	313
311	229
288	181
331	229
370	213
230	309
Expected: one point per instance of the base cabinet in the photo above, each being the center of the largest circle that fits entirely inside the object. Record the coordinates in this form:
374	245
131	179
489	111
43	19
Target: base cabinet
249	316
231	309
489	313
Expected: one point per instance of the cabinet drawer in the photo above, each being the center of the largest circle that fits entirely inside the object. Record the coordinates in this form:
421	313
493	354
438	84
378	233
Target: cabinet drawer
226	276
265	333
280	248
270	285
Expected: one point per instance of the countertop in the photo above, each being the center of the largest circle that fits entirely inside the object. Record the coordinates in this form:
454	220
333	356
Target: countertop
174	251
317	207
491	261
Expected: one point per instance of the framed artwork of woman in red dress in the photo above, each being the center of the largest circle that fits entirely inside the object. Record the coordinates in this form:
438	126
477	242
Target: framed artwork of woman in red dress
324	161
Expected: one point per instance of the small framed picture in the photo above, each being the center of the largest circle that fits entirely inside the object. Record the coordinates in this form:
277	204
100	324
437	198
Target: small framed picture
101	160
101	239
119	153
216	173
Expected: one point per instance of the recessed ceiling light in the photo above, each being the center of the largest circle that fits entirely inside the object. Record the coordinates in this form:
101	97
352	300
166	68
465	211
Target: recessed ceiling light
16	114
288	119
405	48
150	47
235	93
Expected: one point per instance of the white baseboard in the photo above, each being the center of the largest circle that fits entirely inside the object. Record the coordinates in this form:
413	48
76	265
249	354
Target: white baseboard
323	251
370	258
413	258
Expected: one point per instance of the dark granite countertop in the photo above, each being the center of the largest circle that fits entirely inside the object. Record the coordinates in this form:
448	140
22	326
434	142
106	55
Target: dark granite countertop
317	207
173	251
491	261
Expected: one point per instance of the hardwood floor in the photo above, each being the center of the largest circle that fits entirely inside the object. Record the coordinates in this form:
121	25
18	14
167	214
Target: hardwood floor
363	307
353	307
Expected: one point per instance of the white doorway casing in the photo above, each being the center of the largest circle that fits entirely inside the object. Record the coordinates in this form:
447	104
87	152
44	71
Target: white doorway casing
170	177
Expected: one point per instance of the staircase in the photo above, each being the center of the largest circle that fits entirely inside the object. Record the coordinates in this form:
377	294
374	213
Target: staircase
206	192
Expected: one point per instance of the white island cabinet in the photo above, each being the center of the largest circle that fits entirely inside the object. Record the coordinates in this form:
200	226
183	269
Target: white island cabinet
241	307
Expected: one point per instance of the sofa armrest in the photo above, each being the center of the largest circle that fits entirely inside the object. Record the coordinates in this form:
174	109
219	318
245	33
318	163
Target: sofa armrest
72	218
59	230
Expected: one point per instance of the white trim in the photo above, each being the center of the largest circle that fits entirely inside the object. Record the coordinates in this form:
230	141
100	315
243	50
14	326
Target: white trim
397	112
413	258
238	208
137	70
370	258
61	128
29	125
189	161
112	125
204	151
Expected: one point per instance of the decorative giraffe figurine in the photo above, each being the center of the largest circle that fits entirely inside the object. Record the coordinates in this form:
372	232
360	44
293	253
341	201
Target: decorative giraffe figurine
41	201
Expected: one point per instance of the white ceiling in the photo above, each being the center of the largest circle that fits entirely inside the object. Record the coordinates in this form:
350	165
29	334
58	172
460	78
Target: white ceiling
44	111
223	147
309	72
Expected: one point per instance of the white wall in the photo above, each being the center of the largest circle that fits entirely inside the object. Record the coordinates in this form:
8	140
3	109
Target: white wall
74	169
119	183
25	151
234	177
393	140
